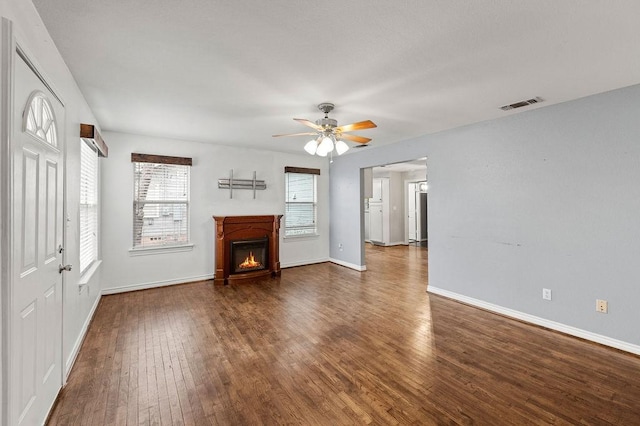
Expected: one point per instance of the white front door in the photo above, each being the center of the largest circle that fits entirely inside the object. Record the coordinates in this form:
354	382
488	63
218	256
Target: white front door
36	285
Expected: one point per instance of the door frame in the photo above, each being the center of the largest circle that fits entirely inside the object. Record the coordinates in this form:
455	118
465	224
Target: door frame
7	49
406	208
407	198
10	51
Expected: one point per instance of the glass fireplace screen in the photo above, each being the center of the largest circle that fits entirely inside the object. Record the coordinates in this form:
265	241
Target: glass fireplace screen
249	255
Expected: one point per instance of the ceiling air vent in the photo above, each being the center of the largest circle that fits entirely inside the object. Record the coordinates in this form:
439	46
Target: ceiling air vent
521	104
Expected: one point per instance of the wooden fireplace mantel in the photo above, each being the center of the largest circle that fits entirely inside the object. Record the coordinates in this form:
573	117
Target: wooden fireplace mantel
234	228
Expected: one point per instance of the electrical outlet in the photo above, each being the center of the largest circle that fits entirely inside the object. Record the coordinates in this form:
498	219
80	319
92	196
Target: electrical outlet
546	294
602	306
340	246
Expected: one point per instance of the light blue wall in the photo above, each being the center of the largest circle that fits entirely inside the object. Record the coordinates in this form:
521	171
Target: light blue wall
543	198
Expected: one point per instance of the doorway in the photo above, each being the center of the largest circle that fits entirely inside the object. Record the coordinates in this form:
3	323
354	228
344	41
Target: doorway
395	209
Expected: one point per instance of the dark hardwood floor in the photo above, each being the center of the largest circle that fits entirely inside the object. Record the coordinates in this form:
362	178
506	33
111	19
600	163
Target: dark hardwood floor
326	345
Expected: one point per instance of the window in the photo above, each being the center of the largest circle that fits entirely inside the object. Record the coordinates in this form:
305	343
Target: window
160	201
88	206
300	202
38	119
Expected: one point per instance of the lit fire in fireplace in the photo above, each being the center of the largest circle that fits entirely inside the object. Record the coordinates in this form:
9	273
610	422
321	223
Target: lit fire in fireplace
250	262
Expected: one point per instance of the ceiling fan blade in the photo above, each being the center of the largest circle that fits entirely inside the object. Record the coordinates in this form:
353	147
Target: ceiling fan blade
308	123
296	134
367	124
354	138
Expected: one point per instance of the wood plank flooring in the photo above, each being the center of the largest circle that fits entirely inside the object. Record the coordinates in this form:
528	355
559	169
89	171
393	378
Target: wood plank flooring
325	345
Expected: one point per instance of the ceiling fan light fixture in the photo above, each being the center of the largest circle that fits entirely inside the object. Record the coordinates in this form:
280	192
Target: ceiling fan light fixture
321	153
311	147
341	147
325	146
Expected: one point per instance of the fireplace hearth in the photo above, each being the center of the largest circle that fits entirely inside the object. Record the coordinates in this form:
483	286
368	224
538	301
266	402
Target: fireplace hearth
247	247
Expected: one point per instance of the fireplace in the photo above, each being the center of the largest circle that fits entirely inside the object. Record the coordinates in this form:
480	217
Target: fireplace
247	247
249	255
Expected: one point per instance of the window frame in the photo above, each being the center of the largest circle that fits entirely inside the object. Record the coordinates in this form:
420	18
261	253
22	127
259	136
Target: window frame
141	249
285	229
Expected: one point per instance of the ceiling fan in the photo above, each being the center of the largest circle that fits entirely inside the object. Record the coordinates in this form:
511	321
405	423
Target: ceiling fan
327	134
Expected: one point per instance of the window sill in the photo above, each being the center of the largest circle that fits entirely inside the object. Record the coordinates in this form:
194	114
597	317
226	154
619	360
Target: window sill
293	238
159	250
88	274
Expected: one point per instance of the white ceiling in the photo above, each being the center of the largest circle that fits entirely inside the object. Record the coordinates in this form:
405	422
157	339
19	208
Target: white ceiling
237	72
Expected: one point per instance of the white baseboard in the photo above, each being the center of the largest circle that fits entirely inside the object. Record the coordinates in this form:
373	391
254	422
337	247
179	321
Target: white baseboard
303	262
154	284
348	265
76	347
397	243
563	328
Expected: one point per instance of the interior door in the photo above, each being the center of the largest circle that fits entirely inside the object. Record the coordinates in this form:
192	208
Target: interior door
424	235
36	287
367	222
411	211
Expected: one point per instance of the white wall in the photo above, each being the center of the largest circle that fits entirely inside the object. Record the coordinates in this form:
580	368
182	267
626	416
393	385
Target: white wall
122	272
32	37
542	198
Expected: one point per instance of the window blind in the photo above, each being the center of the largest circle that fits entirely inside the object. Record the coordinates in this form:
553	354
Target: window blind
88	206
300	204
160	204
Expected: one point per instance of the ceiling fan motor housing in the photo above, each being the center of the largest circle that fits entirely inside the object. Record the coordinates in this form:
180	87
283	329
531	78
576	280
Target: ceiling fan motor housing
327	123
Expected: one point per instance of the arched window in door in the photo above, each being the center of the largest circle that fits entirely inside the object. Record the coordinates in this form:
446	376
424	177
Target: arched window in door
38	119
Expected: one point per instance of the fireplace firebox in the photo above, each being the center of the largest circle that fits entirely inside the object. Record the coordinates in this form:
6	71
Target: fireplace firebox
249	255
